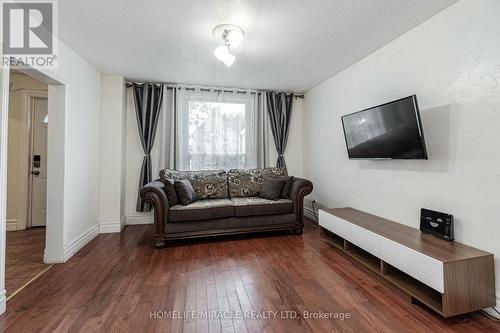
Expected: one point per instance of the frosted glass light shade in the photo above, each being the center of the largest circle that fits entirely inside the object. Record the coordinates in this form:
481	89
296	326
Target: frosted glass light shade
234	37
221	52
229	59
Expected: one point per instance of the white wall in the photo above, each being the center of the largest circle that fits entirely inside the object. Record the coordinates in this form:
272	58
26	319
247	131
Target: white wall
112	154
73	142
134	156
17	139
452	63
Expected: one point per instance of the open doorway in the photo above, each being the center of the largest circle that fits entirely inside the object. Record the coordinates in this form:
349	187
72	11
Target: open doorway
26	181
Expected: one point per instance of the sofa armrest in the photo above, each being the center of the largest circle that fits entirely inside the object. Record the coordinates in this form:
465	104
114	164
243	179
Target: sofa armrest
298	190
154	193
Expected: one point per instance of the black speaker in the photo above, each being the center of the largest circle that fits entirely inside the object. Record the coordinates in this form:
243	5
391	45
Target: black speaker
437	223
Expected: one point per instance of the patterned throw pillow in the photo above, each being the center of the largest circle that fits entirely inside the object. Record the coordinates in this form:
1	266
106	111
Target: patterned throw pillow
248	183
206	184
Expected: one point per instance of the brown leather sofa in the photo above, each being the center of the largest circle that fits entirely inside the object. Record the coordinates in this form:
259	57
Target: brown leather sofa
228	204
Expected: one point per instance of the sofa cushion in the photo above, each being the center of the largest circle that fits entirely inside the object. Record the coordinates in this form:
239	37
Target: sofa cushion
271	189
248	183
202	210
251	206
267	220
211	184
230	223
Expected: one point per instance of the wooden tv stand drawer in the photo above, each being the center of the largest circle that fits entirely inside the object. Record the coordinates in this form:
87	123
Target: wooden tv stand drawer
449	277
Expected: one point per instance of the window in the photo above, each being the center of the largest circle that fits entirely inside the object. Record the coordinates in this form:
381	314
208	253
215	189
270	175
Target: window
217	132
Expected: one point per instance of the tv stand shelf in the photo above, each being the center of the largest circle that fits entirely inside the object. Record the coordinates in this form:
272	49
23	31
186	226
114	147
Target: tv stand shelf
449	277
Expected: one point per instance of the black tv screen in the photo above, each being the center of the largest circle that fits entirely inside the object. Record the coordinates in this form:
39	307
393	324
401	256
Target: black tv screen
388	131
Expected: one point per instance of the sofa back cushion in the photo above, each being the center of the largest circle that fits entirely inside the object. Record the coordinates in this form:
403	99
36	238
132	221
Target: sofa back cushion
211	184
248	182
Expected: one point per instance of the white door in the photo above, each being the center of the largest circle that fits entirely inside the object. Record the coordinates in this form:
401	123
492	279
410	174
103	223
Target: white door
39	123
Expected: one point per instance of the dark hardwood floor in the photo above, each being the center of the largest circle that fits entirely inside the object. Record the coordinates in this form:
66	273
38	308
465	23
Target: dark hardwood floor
120	283
24	257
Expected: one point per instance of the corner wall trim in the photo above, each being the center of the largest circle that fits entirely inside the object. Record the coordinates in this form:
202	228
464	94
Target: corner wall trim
70	249
139	219
106	227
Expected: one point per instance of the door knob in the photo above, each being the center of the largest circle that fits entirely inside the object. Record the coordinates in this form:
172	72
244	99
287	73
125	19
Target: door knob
36	172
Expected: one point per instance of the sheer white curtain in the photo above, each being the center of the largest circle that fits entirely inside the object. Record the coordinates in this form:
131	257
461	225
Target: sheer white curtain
219	129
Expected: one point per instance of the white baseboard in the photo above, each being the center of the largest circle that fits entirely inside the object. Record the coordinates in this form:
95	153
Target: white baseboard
492	312
106	227
309	213
70	249
3	301
11	225
139	219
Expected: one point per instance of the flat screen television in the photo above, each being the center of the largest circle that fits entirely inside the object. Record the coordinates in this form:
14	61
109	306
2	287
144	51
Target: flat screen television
389	131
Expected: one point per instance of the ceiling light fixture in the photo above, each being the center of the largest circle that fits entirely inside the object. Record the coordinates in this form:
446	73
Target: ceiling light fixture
228	35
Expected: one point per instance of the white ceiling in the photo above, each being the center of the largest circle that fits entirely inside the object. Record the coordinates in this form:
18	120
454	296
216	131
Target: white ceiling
289	45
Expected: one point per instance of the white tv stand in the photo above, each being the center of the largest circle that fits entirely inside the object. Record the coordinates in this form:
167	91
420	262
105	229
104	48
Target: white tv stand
449	277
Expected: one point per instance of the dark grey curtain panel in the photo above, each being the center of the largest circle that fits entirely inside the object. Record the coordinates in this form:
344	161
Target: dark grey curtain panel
279	107
148	99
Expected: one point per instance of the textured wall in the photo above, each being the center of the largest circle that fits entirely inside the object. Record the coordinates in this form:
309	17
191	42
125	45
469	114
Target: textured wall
452	63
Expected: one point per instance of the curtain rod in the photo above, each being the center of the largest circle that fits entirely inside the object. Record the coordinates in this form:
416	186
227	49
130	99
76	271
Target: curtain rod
128	84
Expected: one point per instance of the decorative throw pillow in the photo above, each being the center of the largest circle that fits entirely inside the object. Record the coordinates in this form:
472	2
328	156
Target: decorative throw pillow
248	182
185	192
170	190
271	189
207	184
285	191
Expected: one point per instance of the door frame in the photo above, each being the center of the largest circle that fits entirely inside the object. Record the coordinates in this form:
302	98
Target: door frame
57	99
24	206
4	122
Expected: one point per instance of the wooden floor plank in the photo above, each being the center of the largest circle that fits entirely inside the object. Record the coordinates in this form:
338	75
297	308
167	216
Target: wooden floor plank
23	257
119	283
